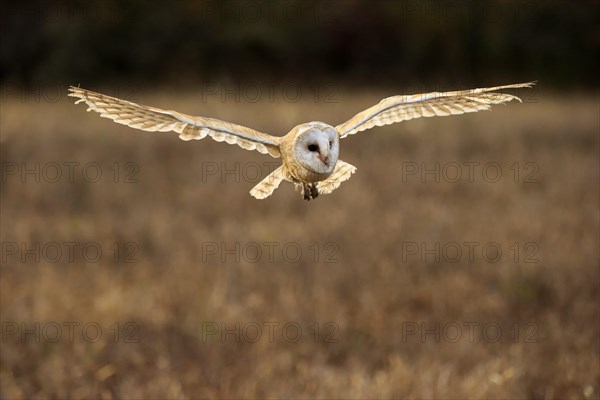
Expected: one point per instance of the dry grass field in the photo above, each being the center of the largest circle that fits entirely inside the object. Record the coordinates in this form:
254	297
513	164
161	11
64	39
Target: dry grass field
137	266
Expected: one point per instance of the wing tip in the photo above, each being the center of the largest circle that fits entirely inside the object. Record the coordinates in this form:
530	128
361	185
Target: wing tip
517	85
76	91
258	196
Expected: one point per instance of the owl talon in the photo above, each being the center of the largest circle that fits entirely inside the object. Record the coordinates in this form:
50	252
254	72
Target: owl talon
310	191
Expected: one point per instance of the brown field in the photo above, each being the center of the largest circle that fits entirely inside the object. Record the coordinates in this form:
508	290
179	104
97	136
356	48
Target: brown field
361	304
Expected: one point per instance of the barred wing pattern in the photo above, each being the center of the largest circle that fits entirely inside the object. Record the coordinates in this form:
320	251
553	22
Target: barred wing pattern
403	108
188	127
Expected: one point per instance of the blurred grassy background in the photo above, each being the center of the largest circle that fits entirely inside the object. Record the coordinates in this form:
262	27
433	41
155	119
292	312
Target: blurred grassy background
372	291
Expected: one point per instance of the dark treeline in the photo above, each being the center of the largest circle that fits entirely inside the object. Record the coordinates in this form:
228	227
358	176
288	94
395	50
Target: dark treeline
366	43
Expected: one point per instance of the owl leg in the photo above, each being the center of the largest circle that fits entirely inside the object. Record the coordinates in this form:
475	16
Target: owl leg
306	192
314	192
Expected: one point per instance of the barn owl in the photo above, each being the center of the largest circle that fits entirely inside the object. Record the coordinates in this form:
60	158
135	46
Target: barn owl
309	152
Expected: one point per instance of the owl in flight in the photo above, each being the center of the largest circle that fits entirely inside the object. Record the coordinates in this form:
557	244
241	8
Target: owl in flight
309	152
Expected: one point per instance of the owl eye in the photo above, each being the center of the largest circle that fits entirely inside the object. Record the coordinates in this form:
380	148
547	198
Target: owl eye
330	143
313	147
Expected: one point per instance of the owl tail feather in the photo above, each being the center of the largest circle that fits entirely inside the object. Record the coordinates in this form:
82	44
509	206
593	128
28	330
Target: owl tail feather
342	172
266	187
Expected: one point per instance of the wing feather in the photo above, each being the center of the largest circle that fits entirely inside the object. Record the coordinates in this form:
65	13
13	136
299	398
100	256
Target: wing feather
154	119
342	172
266	187
403	108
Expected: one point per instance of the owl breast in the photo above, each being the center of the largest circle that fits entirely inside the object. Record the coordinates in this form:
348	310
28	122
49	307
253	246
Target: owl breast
299	173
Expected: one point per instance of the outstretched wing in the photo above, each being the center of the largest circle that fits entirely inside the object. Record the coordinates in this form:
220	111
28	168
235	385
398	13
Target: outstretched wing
154	119
402	108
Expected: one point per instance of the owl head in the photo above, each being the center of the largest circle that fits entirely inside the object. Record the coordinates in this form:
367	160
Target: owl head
317	147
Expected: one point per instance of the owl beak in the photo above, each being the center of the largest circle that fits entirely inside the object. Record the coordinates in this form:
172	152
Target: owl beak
325	159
